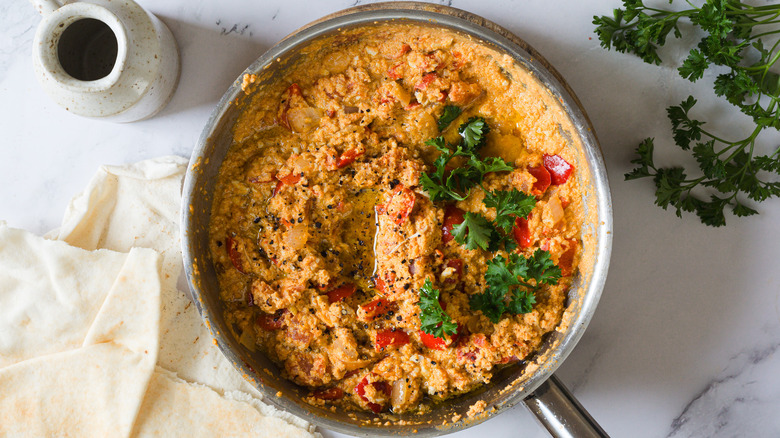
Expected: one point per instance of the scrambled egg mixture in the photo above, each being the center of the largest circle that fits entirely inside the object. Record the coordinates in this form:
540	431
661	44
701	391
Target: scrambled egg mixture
322	235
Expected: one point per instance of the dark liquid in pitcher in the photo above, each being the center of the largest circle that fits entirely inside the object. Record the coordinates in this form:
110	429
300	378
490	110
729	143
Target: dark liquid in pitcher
87	49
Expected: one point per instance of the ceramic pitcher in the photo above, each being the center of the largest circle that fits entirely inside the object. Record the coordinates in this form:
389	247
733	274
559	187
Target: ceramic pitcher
107	59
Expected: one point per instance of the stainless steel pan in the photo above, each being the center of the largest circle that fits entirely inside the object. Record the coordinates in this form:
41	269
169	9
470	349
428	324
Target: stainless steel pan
530	382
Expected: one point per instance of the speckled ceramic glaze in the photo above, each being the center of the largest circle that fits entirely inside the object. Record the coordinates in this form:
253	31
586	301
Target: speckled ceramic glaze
105	59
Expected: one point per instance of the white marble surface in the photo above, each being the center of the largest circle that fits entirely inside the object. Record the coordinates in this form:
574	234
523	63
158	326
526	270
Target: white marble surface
685	341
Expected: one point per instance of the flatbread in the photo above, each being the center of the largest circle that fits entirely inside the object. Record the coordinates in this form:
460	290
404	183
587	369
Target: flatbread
97	388
172	405
137	205
47	301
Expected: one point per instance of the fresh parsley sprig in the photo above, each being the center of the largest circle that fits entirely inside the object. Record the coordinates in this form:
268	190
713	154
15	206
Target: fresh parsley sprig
454	185
433	319
512	283
450	113
509	204
735	35
728	168
474	232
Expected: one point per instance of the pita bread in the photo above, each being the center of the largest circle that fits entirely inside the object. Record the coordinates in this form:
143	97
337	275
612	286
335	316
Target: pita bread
97	388
137	205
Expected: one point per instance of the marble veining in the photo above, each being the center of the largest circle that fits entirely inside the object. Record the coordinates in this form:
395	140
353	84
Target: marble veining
737	394
686	339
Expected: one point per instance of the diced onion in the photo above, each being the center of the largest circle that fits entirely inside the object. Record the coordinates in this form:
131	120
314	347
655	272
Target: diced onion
304	119
297	236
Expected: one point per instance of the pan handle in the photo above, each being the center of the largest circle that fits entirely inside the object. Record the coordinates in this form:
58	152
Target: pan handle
560	413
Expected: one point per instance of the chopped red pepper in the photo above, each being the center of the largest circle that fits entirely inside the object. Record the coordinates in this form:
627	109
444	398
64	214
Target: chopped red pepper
436	343
334	393
566	260
348	157
452	216
270	322
395	72
542	176
290	179
360	390
400	204
292	91
425	81
375	308
522	233
559	169
380	285
433	342
286	180
235	256
388	337
341	292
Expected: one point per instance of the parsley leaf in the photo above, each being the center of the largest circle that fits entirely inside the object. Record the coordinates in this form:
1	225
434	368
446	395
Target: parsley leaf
451	112
433	319
474	232
734	36
473	133
522	302
512	283
509	205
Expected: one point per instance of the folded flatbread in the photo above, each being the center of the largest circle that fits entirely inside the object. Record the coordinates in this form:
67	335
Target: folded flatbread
95	337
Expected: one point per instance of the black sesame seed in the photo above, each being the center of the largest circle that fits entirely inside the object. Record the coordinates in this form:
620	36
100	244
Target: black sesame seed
219	243
257	220
318	225
300	219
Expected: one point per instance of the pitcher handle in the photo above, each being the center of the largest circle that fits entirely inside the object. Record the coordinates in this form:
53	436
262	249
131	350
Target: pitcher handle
560	413
46	7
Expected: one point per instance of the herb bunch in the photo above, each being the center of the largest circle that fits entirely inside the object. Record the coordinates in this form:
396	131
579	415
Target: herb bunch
734	40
